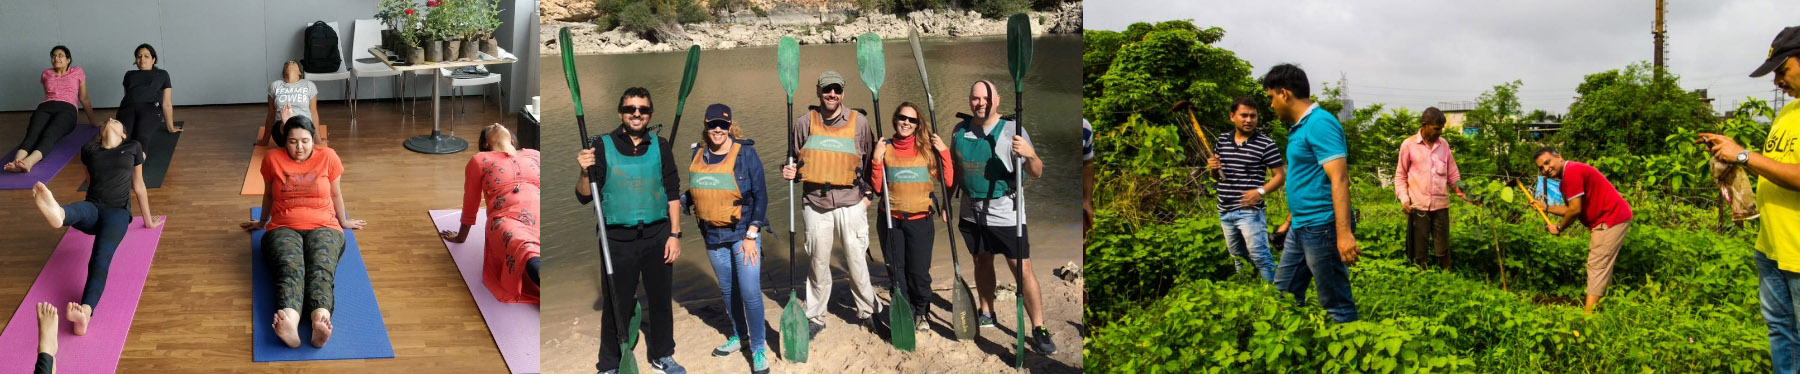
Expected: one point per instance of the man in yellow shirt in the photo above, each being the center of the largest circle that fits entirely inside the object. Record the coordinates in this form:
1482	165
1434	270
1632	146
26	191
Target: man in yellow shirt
1778	197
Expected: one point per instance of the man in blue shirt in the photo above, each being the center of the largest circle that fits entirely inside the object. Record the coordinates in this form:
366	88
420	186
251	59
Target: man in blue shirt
1319	242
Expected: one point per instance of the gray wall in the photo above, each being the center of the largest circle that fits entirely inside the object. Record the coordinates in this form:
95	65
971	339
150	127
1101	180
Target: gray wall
216	51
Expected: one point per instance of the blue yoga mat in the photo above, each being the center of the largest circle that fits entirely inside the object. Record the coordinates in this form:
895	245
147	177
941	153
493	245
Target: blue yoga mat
358	331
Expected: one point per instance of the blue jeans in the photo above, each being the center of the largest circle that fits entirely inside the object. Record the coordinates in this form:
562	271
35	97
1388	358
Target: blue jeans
742	287
1247	237
1777	289
1310	254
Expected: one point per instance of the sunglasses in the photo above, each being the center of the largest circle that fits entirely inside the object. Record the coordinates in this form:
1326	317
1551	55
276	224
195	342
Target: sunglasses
718	125
627	109
832	89
899	118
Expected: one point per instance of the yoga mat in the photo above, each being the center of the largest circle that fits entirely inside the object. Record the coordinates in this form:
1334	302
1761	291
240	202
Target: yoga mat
54	160
61	282
515	326
161	152
357	329
253	183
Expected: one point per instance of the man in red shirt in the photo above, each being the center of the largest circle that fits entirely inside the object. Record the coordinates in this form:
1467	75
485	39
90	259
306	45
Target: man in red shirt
1593	201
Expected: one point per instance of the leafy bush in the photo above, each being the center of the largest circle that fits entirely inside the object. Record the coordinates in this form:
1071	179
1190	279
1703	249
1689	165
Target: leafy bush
999	8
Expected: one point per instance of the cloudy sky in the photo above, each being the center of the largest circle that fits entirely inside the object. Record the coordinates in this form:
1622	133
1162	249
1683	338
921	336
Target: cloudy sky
1417	53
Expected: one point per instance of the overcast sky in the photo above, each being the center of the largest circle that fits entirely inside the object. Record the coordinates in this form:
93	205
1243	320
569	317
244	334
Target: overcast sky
1417	53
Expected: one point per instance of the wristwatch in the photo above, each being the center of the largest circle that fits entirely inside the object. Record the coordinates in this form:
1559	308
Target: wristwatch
676	235
1743	157
1260	192
752	235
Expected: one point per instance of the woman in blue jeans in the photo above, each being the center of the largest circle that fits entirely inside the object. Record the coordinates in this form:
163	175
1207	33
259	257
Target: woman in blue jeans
115	173
726	194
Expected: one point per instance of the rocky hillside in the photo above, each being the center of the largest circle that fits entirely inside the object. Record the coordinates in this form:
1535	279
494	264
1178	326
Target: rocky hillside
817	28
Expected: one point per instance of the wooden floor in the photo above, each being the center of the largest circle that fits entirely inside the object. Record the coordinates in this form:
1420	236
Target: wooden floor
195	315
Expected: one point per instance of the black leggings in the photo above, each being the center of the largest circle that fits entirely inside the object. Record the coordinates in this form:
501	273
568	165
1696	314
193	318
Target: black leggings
107	225
49	123
531	269
142	121
45	364
908	255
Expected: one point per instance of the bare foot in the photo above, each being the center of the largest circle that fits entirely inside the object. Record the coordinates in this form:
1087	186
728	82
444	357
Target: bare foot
78	318
12	167
25	167
46	204
321	327
287	327
46	328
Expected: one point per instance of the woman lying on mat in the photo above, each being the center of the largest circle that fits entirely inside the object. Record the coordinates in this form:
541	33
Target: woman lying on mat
303	211
508	178
147	101
290	91
115	173
55	117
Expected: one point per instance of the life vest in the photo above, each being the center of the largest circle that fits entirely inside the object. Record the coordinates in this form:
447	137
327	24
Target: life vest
984	174
634	187
908	179
714	188
830	156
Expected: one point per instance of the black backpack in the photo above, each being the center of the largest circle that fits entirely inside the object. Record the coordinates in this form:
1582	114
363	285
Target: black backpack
320	51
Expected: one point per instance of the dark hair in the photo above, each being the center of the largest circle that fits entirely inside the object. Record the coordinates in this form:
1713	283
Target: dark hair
482	143
146	46
297	122
65	51
636	92
1541	151
1288	77
1432	116
1242	101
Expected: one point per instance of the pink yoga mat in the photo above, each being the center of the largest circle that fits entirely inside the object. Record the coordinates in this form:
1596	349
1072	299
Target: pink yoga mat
515	326
61	282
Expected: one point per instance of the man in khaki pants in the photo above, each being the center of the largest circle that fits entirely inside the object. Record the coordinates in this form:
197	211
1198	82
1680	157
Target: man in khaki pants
1592	200
834	143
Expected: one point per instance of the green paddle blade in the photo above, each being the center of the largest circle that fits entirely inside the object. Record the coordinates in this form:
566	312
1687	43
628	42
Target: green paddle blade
869	60
787	62
627	364
794	334
962	310
1018	48
687	76
637	318
900	319
1021	331
568	61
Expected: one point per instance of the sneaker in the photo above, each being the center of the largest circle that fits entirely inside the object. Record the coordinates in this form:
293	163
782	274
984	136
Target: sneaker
921	323
731	346
1041	340
986	320
613	371
813	329
761	364
868	323
667	365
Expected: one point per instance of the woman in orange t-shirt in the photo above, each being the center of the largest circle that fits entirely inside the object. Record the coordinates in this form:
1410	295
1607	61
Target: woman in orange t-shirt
303	211
508	177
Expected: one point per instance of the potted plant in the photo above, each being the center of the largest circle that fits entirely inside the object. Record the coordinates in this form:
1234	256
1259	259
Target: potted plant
488	22
436	28
390	12
407	34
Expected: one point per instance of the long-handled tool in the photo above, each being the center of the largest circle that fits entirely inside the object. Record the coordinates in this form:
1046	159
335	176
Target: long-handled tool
1532	199
962	302
795	334
872	66
1018	60
626	363
1202	141
687	86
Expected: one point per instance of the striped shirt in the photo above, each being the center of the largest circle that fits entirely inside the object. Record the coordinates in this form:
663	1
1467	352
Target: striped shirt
1245	166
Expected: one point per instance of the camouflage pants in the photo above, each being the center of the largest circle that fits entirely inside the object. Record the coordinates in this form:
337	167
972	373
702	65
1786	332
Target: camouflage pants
304	264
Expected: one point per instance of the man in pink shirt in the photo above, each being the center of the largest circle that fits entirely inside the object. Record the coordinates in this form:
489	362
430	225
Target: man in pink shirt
1423	180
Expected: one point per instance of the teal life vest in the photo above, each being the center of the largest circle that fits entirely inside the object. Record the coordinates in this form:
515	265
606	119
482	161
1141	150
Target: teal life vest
983	173
633	194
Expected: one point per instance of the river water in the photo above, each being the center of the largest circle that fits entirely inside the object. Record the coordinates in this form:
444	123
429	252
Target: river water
746	80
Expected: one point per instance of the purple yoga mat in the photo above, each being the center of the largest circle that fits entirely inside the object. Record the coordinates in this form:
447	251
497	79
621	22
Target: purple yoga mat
515	326
54	160
61	282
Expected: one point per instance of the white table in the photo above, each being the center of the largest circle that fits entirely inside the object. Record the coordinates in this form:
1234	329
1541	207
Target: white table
437	142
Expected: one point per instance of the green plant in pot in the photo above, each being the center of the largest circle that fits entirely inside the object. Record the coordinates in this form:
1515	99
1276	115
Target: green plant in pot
389	12
407	34
438	27
486	20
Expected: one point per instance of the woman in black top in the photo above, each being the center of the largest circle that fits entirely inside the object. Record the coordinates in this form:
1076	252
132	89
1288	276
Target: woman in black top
146	89
115	173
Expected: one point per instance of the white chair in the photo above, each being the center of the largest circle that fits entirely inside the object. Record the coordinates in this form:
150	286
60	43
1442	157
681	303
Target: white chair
368	34
457	84
342	74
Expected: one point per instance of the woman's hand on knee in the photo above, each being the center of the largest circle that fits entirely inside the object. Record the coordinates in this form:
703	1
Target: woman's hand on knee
252	225
355	224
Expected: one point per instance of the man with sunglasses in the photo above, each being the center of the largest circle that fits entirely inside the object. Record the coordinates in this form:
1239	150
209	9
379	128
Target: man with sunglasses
641	192
1777	192
984	147
834	144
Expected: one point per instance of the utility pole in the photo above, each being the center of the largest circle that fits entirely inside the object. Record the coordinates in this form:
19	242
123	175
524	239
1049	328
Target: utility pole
1660	34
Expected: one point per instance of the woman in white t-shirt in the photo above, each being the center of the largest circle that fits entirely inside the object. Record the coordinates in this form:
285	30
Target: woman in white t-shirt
293	92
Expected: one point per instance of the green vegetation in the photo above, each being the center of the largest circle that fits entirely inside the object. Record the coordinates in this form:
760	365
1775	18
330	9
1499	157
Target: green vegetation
644	17
1163	296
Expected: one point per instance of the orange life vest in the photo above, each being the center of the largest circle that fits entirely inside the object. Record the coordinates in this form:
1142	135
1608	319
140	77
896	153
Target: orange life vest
714	188
830	156
908	180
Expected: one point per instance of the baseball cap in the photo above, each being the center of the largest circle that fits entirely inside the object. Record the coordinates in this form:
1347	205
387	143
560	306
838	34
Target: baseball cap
1786	44
830	77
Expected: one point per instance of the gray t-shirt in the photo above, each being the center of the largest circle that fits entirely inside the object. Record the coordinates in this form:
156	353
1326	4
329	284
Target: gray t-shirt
997	211
298	94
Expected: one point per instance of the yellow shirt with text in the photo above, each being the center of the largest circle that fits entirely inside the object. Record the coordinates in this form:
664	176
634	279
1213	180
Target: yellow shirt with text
1780	235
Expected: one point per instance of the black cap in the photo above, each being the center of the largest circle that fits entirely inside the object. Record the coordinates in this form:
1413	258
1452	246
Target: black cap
718	112
1786	44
